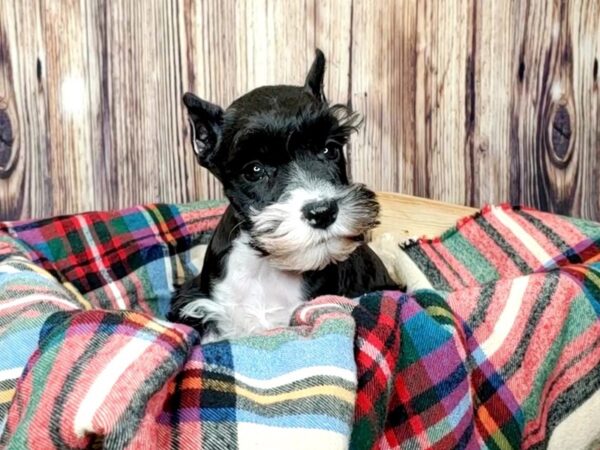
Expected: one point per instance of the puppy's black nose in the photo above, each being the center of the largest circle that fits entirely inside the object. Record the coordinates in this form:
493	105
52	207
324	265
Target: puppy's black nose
320	214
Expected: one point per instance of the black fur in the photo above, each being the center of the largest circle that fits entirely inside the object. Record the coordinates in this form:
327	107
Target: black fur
279	128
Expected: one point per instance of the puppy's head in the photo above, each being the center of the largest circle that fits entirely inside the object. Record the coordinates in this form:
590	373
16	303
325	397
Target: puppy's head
278	151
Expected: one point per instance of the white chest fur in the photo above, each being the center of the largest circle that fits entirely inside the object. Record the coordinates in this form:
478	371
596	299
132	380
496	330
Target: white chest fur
253	296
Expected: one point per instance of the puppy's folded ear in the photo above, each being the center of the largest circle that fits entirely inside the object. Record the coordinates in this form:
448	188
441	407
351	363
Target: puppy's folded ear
206	121
314	79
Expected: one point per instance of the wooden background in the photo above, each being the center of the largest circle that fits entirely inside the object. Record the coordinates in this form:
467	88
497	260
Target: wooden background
464	101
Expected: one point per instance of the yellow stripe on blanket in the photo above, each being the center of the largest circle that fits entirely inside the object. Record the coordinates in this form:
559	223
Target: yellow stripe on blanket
7	395
268	399
329	390
438	311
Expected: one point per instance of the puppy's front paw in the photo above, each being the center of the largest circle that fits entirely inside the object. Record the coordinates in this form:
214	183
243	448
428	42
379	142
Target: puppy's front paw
190	306
209	313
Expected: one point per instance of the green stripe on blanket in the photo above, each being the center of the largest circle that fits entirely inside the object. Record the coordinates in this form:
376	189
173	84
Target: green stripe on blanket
504	352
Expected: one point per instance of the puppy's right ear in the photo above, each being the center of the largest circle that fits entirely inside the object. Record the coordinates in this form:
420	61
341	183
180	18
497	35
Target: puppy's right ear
206	121
314	79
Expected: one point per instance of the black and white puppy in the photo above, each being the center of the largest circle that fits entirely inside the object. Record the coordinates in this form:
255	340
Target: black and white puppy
295	226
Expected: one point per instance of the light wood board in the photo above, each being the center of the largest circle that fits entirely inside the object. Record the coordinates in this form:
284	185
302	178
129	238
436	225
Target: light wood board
406	216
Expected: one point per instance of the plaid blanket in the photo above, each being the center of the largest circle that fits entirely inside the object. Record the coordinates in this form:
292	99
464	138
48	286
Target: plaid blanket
498	345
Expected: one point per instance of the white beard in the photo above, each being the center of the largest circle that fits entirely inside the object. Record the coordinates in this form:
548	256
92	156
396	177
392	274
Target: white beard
291	244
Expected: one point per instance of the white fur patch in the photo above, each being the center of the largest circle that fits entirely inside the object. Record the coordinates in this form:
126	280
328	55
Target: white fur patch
252	297
293	244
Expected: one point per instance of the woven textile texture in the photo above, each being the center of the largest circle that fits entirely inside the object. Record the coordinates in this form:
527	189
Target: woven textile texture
499	347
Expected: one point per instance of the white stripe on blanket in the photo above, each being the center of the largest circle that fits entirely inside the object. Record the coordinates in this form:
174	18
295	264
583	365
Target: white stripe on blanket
11	374
253	436
507	318
104	383
35	298
297	375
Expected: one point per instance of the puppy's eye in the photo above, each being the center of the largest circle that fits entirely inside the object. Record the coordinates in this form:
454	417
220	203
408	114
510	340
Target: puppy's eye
331	152
254	171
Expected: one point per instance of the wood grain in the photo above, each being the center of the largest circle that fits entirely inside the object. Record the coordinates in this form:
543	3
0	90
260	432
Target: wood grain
143	123
556	50
70	112
25	188
253	43
491	73
464	101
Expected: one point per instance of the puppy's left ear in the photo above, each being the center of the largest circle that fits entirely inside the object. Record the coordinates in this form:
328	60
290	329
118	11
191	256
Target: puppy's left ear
206	121
314	79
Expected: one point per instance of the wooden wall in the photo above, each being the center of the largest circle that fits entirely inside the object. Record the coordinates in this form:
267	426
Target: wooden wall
464	101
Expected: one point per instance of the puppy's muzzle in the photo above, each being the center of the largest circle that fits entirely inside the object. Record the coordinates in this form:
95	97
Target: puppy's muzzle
314	225
320	214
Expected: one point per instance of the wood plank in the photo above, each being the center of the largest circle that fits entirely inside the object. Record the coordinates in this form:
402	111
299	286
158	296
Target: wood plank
583	22
491	71
405	216
11	172
408	78
442	37
383	91
25	190
554	146
332	33
70	111
209	34
141	82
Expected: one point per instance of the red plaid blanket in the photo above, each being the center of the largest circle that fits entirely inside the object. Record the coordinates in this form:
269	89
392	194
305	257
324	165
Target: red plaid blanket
498	348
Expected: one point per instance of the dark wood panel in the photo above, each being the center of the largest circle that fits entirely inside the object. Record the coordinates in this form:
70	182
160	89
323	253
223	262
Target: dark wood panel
554	144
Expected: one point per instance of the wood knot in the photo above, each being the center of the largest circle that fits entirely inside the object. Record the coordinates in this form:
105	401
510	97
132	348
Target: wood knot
561	135
484	145
38	70
521	72
7	140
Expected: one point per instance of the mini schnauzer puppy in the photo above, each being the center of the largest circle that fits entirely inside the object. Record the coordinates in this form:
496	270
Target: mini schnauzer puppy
295	226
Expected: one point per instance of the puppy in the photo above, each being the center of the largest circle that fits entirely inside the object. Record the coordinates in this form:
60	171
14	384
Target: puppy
295	226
